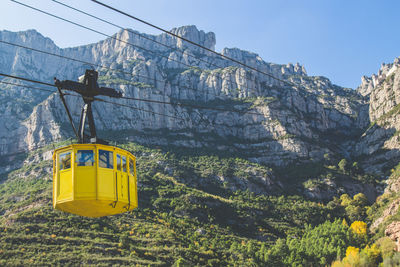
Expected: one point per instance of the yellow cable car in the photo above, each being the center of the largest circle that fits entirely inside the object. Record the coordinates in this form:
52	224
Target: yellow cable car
91	178
94	180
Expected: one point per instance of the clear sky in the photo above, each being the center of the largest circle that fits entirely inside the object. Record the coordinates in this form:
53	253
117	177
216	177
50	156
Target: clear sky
339	39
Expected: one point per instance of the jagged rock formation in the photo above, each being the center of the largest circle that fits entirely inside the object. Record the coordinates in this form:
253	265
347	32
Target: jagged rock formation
312	122
368	84
294	124
393	232
380	142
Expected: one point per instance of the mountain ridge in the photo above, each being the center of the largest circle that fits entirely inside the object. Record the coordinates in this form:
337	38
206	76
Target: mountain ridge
216	84
215	188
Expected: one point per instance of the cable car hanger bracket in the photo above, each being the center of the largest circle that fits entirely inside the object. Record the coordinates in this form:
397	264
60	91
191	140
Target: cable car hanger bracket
88	89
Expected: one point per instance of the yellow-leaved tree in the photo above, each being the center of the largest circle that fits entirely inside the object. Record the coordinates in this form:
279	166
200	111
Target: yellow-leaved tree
352	251
359	228
352	258
369	256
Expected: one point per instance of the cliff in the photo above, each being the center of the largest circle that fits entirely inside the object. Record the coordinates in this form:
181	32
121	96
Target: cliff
295	124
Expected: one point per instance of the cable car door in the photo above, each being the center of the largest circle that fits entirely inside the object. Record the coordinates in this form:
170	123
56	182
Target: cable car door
122	178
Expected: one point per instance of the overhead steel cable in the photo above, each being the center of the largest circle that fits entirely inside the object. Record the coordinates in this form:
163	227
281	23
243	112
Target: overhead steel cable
26	79
141	100
95	98
150	39
101	33
56	55
138	34
28	150
102	66
110	36
145	110
196	44
30	87
194	106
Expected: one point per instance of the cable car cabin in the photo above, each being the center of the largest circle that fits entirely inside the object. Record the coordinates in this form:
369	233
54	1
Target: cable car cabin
94	180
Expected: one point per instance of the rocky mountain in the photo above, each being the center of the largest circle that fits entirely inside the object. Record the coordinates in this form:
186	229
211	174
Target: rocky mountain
379	144
315	121
232	182
295	123
378	147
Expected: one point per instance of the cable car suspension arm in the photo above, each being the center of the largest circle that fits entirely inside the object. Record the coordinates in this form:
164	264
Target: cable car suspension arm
68	113
88	89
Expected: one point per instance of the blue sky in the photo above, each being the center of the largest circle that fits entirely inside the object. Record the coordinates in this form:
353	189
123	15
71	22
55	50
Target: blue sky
339	39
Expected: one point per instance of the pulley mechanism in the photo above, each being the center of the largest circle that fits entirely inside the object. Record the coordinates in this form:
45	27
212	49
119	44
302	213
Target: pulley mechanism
88	89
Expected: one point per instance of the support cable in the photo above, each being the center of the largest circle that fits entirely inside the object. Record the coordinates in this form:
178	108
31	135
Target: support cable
26	86
139	34
142	100
196	44
69	114
133	45
101	33
102	66
94	98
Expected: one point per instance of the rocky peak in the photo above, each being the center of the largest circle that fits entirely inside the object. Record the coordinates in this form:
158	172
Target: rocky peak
368	84
290	120
254	60
193	34
381	140
385	94
296	69
30	38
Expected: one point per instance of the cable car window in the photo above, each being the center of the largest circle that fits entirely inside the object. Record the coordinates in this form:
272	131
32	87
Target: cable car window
85	157
64	161
131	167
106	159
118	162
123	163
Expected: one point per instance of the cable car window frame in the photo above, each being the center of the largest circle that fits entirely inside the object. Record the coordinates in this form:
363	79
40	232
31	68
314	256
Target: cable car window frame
123	161
109	164
119	162
60	159
86	160
131	167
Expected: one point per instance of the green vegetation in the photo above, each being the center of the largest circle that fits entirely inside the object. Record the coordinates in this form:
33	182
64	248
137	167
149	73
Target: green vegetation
382	203
192	211
394	111
111	80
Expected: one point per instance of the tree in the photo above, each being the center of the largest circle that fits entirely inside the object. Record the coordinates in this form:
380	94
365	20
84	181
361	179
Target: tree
355	168
345	200
277	254
180	263
368	257
372	255
354	213
352	251
360	199
387	246
319	245
359	228
343	165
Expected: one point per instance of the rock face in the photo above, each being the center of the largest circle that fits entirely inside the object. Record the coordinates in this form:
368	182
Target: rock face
389	211
393	232
369	84
380	142
292	124
277	124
